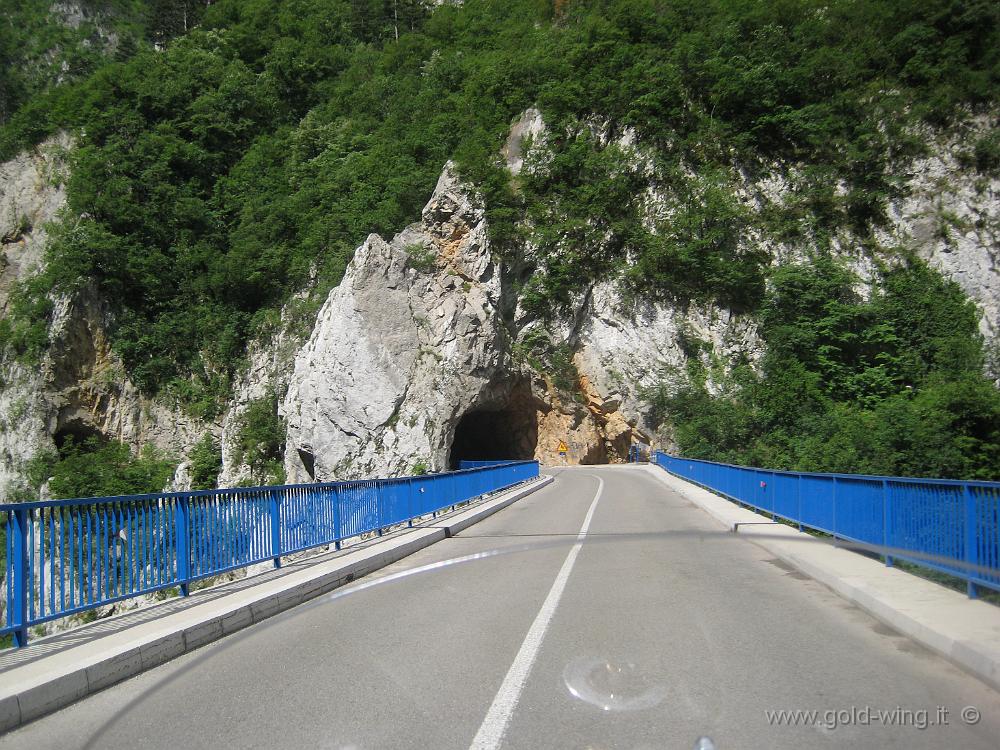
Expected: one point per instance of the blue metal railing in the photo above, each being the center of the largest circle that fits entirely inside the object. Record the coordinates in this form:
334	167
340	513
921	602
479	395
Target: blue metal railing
638	452
467	464
68	556
947	525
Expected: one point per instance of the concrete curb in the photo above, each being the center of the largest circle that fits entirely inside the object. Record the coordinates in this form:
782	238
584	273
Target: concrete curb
52	682
962	630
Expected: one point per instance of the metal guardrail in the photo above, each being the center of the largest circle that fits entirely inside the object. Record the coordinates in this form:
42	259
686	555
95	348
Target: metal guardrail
69	556
937	521
467	464
638	452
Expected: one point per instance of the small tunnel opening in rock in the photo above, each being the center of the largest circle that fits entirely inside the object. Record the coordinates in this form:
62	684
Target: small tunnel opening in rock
510	432
308	462
77	432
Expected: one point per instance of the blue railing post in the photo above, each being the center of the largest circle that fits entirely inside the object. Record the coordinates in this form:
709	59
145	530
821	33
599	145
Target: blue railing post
19	570
971	534
275	497
182	524
774	498
409	502
338	532
886	522
798	499
835	507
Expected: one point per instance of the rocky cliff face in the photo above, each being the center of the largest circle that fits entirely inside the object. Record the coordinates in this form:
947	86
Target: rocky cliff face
949	215
416	359
410	364
79	387
951	218
31	194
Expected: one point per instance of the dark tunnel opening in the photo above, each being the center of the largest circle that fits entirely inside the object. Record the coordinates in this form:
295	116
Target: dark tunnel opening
77	431
496	434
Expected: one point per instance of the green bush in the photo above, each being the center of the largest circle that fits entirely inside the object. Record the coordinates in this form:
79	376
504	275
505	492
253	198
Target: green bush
555	360
987	153
888	385
421	258
206	464
260	440
95	467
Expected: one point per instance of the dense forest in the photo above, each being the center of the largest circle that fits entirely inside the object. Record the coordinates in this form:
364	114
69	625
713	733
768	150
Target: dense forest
232	153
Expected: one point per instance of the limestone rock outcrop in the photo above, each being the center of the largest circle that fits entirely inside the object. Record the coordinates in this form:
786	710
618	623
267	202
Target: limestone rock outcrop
418	354
79	387
408	342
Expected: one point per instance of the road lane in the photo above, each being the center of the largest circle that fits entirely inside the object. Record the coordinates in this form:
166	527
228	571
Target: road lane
494	727
703	632
720	633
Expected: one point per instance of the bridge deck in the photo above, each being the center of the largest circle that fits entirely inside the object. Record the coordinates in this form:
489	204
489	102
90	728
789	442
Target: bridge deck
659	628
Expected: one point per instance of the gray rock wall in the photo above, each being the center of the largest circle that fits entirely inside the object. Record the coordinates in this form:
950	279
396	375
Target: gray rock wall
408	342
79	386
421	333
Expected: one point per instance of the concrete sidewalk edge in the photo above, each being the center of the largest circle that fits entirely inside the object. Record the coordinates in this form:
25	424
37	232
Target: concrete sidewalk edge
53	682
980	659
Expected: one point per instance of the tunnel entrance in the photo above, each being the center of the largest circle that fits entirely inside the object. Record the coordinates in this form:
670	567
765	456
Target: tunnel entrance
77	431
507	433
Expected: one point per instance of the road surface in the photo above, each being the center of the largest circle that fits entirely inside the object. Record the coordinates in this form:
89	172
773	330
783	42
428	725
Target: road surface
649	630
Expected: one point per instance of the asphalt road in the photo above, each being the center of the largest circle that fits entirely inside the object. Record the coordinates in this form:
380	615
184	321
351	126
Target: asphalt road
651	631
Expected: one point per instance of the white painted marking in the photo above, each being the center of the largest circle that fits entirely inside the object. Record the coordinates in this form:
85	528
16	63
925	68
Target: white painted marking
494	726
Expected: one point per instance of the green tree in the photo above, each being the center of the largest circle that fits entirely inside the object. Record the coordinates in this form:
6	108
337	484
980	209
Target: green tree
97	468
206	464
261	439
888	385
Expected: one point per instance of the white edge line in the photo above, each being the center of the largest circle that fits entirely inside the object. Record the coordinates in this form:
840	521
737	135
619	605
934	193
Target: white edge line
494	726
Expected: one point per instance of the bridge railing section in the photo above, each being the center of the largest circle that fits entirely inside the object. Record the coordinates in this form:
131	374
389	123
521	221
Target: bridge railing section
69	556
475	464
946	525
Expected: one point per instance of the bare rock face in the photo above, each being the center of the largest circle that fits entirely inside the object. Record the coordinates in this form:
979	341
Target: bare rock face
269	368
528	129
626	349
407	343
410	365
79	387
951	218
31	194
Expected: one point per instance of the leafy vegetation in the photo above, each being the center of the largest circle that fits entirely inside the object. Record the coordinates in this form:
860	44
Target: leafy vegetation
93	468
206	464
420	257
260	440
214	176
45	45
236	152
887	385
550	358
